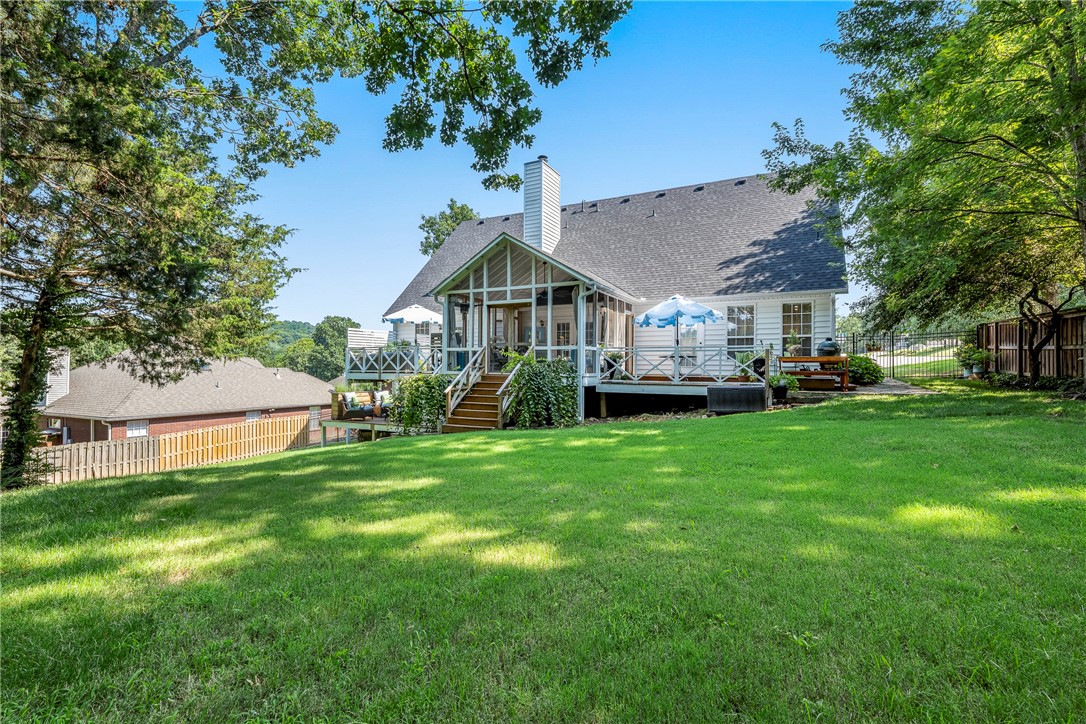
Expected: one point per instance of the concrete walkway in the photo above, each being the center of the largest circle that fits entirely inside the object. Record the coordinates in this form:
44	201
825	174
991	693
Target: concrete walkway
886	387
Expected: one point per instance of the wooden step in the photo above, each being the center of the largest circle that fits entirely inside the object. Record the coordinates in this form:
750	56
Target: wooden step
483	405
481	397
450	429
491	414
487	387
491	377
472	418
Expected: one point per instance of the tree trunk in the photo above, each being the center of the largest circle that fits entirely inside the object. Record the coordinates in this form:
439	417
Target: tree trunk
20	465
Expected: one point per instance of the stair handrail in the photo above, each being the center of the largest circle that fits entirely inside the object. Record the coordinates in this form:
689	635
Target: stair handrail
463	382
504	397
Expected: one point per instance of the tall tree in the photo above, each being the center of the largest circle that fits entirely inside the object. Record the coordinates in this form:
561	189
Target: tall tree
963	184
118	212
437	227
330	347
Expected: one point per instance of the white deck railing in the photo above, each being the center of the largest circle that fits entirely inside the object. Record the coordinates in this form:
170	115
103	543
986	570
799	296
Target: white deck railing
505	394
676	364
392	361
462	384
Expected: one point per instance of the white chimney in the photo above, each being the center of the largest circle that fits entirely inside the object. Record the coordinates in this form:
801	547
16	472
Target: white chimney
542	205
57	379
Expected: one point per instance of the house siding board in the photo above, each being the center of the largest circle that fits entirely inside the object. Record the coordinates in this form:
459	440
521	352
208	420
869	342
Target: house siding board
727	240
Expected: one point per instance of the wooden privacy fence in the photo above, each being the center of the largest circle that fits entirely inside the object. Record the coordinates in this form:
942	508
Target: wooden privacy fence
1008	342
133	456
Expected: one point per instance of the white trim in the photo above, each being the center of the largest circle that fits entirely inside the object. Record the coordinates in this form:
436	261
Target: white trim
142	428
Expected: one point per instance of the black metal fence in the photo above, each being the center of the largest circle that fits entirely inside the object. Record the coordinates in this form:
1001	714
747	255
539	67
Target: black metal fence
903	355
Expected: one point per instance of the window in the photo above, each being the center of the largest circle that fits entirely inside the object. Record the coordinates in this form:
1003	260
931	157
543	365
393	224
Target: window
314	419
422	329
740	329
252	416
688	336
797	319
561	337
136	428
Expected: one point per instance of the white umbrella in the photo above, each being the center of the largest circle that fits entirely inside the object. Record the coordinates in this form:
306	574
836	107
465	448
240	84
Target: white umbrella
415	314
678	310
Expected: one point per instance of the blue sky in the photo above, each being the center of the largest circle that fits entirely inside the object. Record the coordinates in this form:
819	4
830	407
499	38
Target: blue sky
688	95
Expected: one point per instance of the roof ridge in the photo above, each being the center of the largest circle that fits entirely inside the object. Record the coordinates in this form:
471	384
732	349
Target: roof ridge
131	390
619	197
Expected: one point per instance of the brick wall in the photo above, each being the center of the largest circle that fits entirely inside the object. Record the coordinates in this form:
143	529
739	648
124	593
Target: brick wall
80	429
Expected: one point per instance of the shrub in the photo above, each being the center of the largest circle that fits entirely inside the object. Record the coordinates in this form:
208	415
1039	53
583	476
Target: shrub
864	371
785	380
1009	380
544	391
419	403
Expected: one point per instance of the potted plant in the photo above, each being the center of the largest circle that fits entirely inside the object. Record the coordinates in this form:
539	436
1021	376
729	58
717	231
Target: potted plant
966	355
613	362
781	384
981	359
794	346
742	358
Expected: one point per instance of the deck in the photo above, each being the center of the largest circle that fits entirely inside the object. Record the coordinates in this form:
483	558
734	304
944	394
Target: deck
391	362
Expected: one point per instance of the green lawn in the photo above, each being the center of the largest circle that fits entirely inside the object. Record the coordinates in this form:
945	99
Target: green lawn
938	367
890	558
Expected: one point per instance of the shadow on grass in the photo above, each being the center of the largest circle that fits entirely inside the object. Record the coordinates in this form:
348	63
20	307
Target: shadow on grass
522	555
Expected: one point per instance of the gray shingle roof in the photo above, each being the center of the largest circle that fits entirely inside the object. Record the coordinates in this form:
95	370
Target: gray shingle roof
111	393
728	238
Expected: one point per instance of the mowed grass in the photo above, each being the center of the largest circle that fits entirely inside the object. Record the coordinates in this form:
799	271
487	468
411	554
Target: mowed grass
937	367
873	558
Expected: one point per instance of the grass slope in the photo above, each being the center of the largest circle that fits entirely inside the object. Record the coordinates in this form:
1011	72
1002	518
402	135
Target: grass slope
871	558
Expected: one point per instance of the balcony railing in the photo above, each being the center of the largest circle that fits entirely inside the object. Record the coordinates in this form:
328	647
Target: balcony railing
677	365
386	362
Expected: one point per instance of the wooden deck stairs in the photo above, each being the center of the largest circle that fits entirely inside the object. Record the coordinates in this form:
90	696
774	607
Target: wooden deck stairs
480	409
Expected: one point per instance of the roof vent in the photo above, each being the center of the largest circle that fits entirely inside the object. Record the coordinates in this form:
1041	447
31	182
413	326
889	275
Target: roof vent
480	222
563	208
593	205
741	182
624	201
506	219
661	195
699	188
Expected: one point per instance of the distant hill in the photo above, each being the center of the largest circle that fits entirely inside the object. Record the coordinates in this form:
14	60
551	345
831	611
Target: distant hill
284	333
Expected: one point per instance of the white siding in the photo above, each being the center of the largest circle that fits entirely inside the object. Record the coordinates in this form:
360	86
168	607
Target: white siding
58	376
366	338
542	206
767	321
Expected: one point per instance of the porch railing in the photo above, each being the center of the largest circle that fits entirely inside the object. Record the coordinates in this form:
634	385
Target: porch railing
392	361
677	365
462	384
505	394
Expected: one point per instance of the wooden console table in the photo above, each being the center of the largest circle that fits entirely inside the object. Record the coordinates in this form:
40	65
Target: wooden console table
837	370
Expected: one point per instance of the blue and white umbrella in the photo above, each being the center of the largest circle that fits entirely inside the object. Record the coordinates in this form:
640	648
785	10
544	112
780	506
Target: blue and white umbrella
678	310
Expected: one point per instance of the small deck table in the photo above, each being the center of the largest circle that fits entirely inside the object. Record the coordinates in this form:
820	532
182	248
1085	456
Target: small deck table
837	369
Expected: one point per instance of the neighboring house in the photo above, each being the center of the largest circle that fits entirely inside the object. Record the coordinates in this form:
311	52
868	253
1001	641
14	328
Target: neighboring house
363	338
568	279
105	402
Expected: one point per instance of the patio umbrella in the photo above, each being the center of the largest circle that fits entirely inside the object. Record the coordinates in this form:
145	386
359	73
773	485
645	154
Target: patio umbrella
415	314
676	311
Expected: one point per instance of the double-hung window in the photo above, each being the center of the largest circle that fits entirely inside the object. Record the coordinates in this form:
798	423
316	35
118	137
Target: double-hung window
740	329
797	321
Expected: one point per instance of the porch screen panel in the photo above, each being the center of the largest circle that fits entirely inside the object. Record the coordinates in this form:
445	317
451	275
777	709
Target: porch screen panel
521	265
497	270
798	318
458	309
561	276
